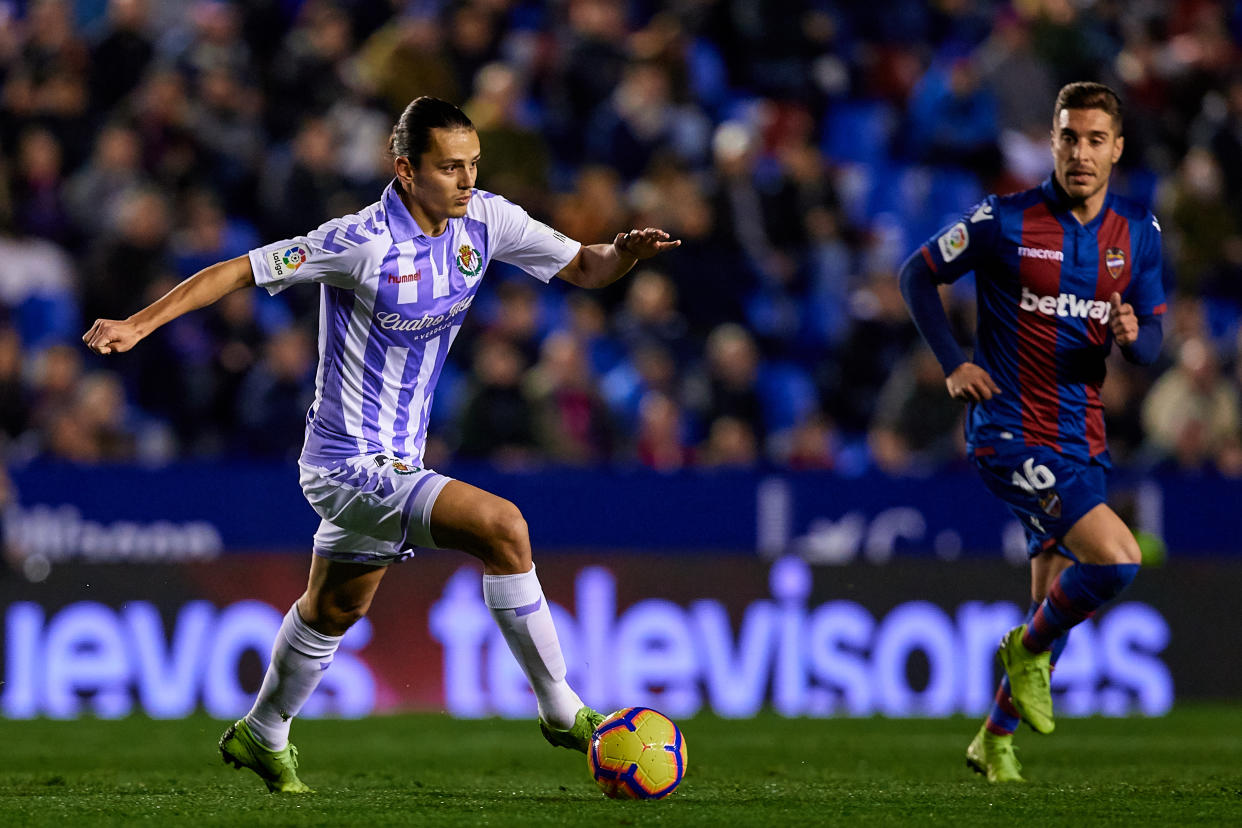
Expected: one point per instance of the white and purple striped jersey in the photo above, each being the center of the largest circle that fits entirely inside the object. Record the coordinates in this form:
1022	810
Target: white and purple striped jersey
392	300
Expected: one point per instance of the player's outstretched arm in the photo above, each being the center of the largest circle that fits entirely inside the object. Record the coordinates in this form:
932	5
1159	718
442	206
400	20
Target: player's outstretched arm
599	265
115	336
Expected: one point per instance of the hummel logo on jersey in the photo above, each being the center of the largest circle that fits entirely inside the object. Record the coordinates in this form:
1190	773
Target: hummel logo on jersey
1041	253
405	277
1066	305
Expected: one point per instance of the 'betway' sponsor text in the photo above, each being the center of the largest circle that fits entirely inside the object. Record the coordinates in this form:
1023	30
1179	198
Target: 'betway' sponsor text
1066	305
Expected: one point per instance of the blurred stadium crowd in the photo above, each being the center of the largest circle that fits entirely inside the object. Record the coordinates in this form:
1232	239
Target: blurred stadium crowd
799	149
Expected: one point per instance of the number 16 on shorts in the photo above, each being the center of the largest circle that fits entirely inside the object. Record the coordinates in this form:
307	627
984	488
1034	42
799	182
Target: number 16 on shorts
1033	479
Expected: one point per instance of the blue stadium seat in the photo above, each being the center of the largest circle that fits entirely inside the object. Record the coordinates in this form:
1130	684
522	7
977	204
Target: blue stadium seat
788	394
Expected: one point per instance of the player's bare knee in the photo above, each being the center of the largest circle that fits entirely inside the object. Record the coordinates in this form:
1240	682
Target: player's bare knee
333	616
507	540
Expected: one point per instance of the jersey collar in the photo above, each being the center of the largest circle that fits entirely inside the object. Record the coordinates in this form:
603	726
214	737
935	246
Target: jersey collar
401	224
1059	202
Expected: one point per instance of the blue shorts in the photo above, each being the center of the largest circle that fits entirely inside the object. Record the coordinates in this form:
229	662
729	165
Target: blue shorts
1047	492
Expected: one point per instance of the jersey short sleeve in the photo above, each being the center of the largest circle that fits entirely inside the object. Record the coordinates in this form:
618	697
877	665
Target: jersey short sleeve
1146	293
525	242
303	259
961	246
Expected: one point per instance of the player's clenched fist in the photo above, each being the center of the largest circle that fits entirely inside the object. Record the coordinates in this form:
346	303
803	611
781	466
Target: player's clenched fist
971	383
1122	321
111	336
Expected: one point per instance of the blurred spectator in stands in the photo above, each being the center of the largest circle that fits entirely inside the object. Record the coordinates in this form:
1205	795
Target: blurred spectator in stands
707	268
572	421
497	420
212	42
46	82
1122	397
473	40
731	442
1201	225
301	190
727	387
1068	38
14	396
640	120
95	192
594	210
587	321
1021	85
812	444
830	266
38	290
517	160
161	114
275	395
588	64
879	337
916	426
97	426
407	58
127	261
125	48
237	337
1192	415
743	210
224	117
517	317
650	315
207	235
952	119
660	441
55	373
650	369
309	72
1222	131
39	207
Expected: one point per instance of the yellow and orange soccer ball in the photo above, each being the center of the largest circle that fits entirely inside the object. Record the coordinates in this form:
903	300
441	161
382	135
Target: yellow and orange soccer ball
637	753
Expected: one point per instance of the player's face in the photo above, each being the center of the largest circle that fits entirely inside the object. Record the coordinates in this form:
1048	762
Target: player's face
443	182
1085	145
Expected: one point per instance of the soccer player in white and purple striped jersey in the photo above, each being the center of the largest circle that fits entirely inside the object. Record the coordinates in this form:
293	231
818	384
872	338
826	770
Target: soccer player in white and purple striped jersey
396	280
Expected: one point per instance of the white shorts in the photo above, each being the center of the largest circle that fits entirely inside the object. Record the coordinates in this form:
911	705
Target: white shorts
376	509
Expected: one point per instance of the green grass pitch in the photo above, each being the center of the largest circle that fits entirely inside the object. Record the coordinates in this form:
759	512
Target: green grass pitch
1183	769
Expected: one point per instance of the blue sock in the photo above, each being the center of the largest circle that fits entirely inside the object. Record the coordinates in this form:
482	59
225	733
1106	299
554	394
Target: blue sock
1075	596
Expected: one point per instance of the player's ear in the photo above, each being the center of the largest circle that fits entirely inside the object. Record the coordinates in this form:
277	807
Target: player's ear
1119	143
404	170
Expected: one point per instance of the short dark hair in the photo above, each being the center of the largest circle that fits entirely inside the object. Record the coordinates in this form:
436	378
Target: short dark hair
1089	95
411	136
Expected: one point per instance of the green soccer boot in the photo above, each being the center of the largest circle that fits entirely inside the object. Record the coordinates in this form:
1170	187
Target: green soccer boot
277	768
577	737
1030	684
993	756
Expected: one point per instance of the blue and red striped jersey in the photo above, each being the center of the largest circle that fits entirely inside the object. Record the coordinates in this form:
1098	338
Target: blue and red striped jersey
1043	281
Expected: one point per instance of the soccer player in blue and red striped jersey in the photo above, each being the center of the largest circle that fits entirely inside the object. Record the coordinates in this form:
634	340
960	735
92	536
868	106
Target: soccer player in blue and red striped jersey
1062	272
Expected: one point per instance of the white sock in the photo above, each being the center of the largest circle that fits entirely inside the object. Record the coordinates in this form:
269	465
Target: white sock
299	657
521	611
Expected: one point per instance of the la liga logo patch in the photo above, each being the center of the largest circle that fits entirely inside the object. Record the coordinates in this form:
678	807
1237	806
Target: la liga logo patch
294	257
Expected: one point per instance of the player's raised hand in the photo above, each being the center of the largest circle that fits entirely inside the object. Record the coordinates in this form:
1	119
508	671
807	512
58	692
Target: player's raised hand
643	244
111	336
1122	321
970	383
